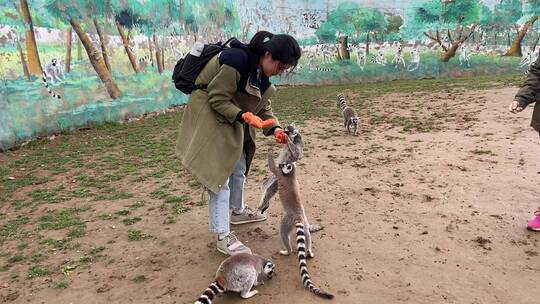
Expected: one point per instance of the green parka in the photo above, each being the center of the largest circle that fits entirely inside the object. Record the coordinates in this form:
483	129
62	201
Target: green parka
530	92
211	140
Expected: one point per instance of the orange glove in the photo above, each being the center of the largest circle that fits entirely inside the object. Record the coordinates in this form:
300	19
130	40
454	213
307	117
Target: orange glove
268	123
253	120
281	136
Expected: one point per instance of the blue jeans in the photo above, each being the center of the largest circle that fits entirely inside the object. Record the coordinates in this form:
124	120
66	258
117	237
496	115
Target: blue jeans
230	197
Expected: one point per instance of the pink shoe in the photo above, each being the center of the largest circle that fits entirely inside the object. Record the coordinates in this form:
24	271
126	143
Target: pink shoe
534	224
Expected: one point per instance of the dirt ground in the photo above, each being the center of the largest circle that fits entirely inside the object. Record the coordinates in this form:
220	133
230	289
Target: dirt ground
436	216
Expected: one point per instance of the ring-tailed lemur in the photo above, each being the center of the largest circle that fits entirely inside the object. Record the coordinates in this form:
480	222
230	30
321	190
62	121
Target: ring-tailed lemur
464	56
350	117
55	72
378	59
144	60
294	221
398	58
322	69
415	60
238	273
360	58
291	152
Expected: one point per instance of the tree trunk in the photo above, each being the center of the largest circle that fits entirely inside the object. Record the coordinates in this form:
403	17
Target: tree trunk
535	43
343	48
79	50
67	61
515	49
102	43
163	58
23	60
158	55
125	41
367	44
495	39
151	50
34	64
97	61
451	51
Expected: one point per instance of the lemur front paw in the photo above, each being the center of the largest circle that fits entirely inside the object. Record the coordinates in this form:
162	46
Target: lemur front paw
284	252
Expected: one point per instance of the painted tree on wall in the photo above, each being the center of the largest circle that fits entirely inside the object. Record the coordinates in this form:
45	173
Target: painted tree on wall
34	63
443	21
351	20
531	11
507	13
393	23
72	12
159	17
11	16
126	16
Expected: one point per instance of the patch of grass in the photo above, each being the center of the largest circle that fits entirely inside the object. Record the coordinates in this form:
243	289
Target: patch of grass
50	196
137	205
123	212
137	235
16	258
131	221
60	219
62	285
77	232
95	250
139	278
159	194
483	152
113	195
38	271
22	246
13	227
60	244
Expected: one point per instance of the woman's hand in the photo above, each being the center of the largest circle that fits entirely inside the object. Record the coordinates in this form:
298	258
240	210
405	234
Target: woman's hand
253	120
281	136
515	107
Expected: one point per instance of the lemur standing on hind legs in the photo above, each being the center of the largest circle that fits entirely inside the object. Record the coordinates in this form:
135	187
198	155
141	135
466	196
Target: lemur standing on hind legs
350	117
415	61
55	72
238	273
398	58
294	221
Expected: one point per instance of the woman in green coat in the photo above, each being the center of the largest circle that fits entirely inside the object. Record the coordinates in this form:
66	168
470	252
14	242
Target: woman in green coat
216	142
528	94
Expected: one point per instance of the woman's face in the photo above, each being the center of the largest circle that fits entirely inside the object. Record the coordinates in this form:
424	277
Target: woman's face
271	67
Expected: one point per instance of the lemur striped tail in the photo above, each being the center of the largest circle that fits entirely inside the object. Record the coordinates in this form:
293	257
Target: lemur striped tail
51	92
341	101
210	293
302	265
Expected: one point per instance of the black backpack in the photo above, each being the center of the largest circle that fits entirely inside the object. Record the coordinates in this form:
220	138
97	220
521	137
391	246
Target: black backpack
187	69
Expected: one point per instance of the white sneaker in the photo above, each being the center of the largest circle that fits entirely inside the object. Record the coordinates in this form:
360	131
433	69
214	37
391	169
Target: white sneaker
230	245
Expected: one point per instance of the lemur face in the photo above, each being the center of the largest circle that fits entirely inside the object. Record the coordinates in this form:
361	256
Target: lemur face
54	61
287	168
354	120
268	269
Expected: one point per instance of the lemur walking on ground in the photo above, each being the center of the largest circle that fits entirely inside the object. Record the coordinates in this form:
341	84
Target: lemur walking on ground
238	273
350	117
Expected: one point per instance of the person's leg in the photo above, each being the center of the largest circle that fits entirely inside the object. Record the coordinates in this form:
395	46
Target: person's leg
218	210
241	214
219	220
236	184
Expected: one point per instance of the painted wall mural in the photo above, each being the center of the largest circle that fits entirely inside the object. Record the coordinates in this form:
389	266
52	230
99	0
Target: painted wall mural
70	63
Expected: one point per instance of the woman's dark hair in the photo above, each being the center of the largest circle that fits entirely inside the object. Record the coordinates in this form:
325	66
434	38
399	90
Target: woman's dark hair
283	47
